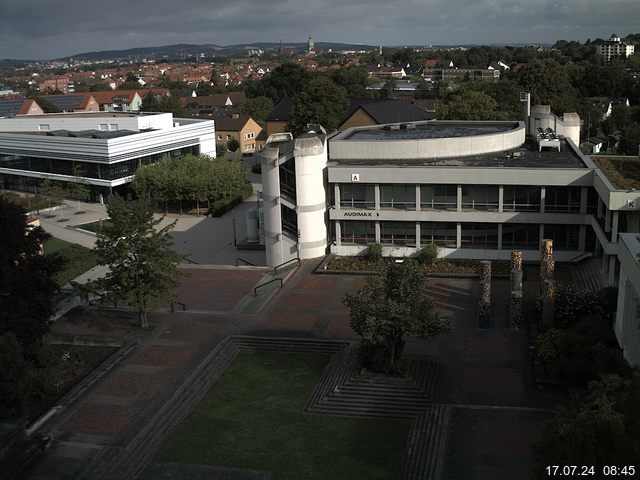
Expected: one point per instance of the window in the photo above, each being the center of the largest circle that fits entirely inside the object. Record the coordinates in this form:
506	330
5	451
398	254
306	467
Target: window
220	137
439	197
103	126
520	236
398	233
354	195
565	237
479	235
521	199
44	127
289	221
441	234
358	233
228	137
249	135
288	178
399	196
562	200
113	126
480	197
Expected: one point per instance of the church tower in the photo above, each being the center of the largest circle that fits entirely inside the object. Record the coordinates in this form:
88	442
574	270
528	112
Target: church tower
310	45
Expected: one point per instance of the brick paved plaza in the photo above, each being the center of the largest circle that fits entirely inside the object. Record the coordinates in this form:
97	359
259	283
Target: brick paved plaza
494	413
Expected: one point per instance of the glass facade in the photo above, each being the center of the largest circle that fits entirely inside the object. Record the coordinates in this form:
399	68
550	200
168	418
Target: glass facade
289	221
398	196
441	234
480	197
287	172
439	197
479	235
521	198
358	233
521	236
98	171
353	195
565	237
562	200
398	233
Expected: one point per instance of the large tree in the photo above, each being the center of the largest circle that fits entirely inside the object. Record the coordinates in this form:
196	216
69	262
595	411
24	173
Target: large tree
143	269
390	307
469	105
322	102
26	276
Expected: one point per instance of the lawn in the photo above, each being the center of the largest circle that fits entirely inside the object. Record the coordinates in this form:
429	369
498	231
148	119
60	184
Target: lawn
79	259
254	418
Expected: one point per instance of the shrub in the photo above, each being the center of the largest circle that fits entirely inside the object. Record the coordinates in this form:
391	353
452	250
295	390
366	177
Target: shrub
375	252
428	254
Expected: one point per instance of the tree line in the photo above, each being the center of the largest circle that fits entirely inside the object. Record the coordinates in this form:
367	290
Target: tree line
193	179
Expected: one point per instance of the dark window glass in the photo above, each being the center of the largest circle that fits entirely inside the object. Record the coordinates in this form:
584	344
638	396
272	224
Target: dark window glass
398	196
442	234
565	237
479	235
289	221
360	233
439	197
354	195
398	233
480	197
562	200
520	236
521	199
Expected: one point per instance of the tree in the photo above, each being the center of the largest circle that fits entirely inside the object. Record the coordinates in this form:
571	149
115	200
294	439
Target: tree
150	103
549	84
389	307
233	145
469	105
26	276
287	80
52	191
142	265
79	188
257	108
321	102
603	430
630	141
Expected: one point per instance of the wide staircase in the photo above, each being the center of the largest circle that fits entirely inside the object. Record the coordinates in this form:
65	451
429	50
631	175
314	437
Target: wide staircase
586	275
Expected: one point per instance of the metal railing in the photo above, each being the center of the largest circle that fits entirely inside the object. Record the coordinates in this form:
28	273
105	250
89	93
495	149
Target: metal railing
244	261
173	308
255	290
275	269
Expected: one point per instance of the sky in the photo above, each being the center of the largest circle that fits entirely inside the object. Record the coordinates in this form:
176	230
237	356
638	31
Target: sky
39	29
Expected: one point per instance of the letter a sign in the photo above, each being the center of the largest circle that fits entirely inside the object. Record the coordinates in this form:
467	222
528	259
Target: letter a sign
355	177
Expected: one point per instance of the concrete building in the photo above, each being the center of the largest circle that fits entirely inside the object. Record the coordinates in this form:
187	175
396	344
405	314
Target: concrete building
614	47
478	190
106	147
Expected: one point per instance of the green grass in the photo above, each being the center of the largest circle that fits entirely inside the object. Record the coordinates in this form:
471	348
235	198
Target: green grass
79	259
254	418
94	227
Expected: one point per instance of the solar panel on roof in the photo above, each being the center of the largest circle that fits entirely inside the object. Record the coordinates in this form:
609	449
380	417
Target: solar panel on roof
68	102
10	108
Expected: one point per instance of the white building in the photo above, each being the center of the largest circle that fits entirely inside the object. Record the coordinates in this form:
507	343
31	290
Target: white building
614	47
106	147
478	190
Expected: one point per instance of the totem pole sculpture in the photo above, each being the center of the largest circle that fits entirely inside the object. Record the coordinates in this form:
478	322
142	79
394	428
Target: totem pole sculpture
516	290
485	294
547	270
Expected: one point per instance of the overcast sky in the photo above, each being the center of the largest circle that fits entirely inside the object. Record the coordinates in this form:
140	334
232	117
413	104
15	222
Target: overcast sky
39	29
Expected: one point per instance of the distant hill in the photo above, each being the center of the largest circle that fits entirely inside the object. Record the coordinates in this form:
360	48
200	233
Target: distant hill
206	50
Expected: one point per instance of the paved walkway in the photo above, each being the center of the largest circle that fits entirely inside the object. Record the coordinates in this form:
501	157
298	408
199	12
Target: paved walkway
496	412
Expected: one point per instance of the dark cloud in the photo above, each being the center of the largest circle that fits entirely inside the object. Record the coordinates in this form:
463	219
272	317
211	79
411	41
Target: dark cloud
39	29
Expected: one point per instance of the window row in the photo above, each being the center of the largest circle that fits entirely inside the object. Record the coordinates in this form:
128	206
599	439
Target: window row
472	235
474	197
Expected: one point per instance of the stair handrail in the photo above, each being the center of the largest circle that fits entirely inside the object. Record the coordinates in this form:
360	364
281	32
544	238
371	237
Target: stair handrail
275	269
244	261
255	290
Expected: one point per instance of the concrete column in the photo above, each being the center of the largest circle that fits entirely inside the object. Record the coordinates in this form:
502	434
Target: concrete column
600	205
501	198
338	228
612	269
418	199
582	236
543	193
418	235
605	263
584	194
459	198
376	194
458	235
377	231
614	226
607	221
499	236
541	234
336	194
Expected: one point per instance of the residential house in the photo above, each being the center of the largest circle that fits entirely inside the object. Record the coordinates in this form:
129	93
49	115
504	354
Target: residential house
365	112
118	101
73	102
242	128
18	107
207	105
